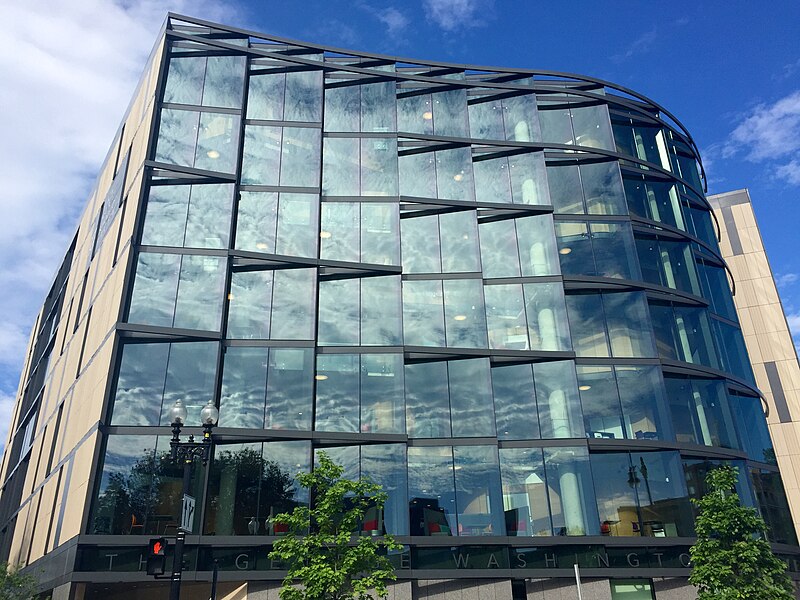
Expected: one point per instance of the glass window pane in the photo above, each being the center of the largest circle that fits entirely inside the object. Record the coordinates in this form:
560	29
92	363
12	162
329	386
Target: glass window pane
571	493
575	248
380	233
379	167
547	316
244	383
521	119
498	240
340	167
693	333
614	250
614	484
381	310
261	157
385	464
478	497
431	491
293	304
454	174
382	409
378	107
342	107
185	80
300	156
753	431
505	316
660	485
165	221
557	397
644	403
515	403
415	114
492	181
338	312
459	240
600	402
339	235
450	113
289	384
418	175
140	384
602	187
423	313
471	398
592	126
209	220
587	324
556	124
265	96
419	237
486	121
525	503
177	137
528	179
224	81
217	143
303	100
565	188
249	305
200	292
256	221
464	316
537	246
191	375
337	393
427	400
700	412
155	289
297	225
628	323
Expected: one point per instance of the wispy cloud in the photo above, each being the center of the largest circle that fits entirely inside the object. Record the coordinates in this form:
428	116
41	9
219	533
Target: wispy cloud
770	134
639	46
457	15
73	69
788	70
786	279
395	21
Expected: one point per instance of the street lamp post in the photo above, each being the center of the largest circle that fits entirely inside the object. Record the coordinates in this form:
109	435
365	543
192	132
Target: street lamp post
185	453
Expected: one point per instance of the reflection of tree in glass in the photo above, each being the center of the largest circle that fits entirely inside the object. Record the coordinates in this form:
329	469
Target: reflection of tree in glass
244	490
132	497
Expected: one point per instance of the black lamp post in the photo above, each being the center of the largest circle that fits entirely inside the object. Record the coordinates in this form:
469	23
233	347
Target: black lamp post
185	453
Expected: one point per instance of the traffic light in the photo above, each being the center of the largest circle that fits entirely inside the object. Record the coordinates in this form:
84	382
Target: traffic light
156	556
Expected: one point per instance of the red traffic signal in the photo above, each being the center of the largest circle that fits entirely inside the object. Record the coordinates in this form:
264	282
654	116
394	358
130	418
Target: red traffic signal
156	556
157	547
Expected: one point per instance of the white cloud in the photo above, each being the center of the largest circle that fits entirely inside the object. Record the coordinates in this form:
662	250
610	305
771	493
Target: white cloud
640	45
395	21
68	72
790	172
786	279
794	323
454	15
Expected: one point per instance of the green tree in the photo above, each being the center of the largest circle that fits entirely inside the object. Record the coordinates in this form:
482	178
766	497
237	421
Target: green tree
731	559
324	557
15	585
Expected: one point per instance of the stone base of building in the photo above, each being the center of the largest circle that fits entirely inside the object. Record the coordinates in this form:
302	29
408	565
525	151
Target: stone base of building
675	588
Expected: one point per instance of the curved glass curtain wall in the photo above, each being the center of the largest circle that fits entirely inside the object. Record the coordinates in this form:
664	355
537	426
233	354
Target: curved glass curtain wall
494	279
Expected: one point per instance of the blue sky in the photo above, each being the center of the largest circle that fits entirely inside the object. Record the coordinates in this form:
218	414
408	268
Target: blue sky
730	71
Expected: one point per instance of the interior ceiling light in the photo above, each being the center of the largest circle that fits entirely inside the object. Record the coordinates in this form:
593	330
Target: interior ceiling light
427	115
458	176
320	377
261	246
324	234
212	154
565	251
584	388
460	317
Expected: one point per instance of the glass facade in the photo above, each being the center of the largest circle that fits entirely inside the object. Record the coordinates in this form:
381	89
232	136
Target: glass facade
451	285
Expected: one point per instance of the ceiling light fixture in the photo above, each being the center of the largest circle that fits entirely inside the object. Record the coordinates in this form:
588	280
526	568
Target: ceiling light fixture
212	154
427	115
460	317
324	234
584	388
320	377
565	251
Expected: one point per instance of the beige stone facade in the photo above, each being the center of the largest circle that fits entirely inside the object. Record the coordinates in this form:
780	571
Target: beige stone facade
766	332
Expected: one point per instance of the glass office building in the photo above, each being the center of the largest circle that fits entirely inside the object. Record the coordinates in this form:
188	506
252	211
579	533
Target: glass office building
496	292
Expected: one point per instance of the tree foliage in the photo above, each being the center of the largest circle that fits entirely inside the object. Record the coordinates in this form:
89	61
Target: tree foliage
324	557
15	585
731	559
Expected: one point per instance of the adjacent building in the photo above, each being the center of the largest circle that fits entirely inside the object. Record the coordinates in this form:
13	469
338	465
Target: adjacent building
497	292
766	332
